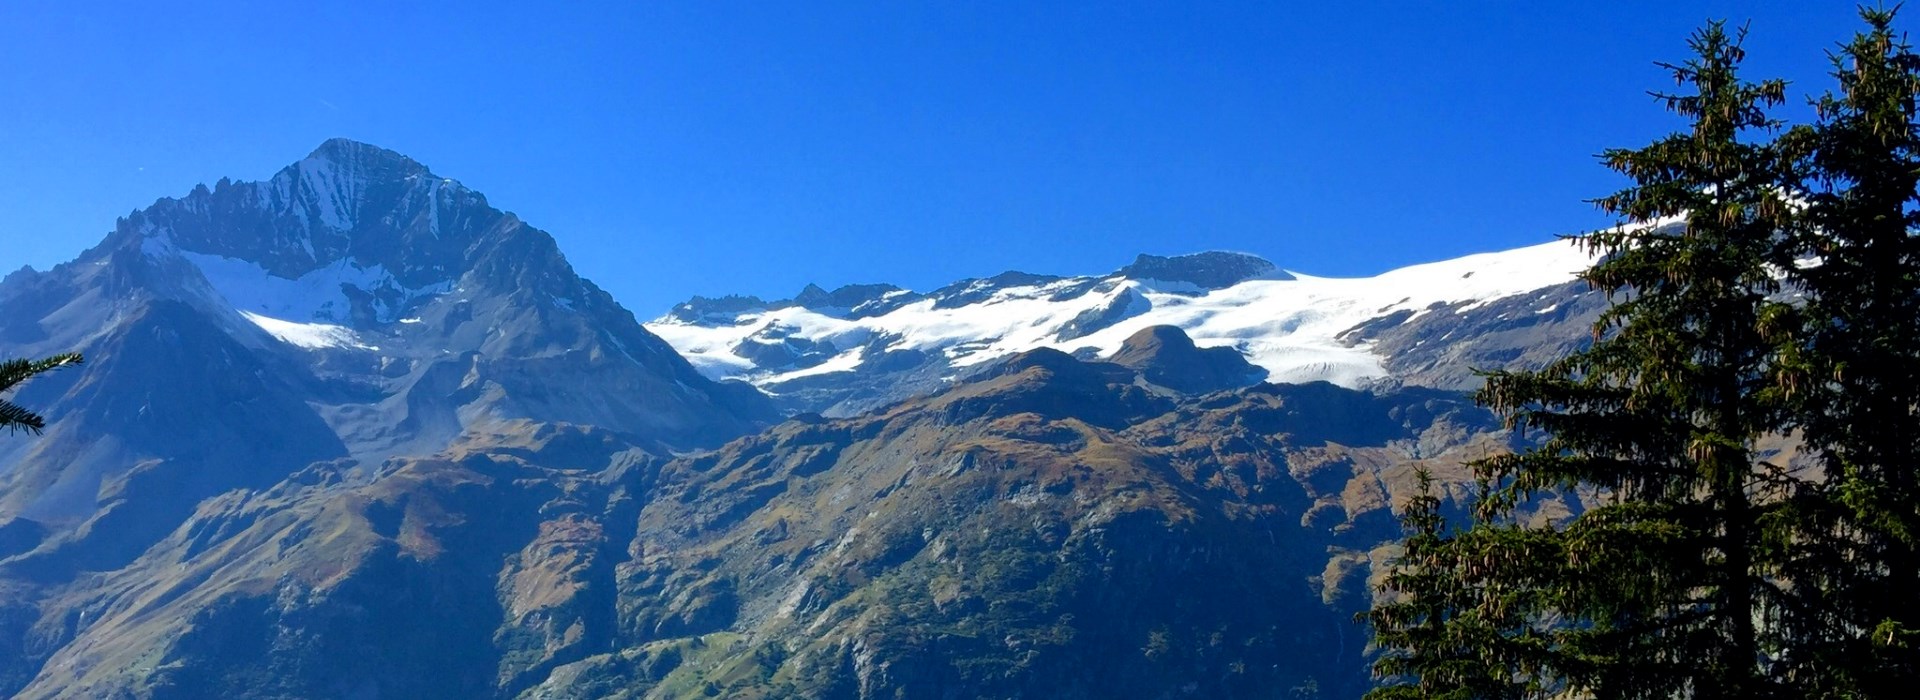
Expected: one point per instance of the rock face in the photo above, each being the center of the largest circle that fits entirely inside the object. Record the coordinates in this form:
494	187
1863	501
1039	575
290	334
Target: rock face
1445	347
1212	270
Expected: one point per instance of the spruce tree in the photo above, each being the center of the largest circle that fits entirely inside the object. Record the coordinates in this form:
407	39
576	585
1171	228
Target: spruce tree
12	372
1852	371
1667	584
1762	287
1430	625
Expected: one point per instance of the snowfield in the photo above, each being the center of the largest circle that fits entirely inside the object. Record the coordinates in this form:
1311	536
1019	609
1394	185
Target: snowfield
312	336
316	296
1290	327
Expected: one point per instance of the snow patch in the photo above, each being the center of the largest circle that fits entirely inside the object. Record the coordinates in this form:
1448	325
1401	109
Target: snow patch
312	336
156	244
320	295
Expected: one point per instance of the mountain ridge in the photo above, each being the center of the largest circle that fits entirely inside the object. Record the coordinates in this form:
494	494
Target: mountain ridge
884	343
352	432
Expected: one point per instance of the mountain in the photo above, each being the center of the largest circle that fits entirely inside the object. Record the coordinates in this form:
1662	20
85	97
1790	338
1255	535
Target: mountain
351	308
352	432
1051	528
866	346
1164	356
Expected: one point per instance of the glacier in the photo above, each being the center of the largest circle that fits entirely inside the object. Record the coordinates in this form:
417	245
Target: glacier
1293	325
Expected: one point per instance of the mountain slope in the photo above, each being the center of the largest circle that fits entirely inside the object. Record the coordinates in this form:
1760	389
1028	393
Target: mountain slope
353	306
339	581
1050	528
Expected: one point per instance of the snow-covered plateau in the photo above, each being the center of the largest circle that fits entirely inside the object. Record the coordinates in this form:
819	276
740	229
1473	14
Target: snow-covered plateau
1293	325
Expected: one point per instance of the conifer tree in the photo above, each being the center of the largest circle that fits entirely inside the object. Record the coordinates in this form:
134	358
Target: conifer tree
1667	586
1434	643
12	372
1851	366
1700	570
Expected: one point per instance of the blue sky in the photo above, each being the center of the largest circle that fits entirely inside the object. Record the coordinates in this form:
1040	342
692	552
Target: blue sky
715	147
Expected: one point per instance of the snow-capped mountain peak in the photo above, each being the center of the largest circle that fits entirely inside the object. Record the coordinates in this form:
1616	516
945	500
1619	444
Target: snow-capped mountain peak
1294	326
330	187
1208	270
344	201
351	236
388	310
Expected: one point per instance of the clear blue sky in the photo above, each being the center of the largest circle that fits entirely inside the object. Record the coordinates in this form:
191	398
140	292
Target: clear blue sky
713	147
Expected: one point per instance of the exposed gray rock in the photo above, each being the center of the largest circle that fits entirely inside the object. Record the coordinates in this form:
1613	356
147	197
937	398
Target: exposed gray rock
1210	270
1447	346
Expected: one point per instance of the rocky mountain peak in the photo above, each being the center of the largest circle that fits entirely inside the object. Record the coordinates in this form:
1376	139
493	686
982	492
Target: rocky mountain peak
365	160
1165	356
352	233
851	297
345	203
1209	270
701	308
850	301
811	295
1154	340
